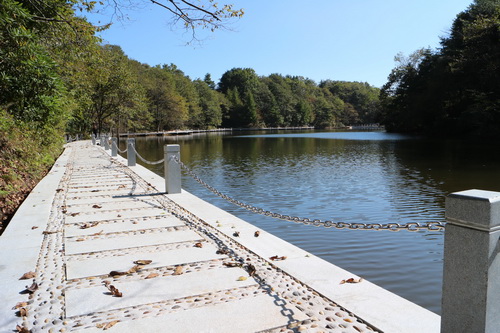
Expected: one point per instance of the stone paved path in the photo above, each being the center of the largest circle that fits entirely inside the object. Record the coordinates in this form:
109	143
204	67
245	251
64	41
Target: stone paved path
117	255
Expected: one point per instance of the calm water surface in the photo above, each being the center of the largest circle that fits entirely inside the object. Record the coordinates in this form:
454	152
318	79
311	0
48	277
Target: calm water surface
371	177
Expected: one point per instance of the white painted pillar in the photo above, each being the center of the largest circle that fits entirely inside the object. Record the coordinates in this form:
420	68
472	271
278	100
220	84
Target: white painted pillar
471	279
172	169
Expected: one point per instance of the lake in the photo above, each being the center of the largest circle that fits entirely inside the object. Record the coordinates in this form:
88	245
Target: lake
348	176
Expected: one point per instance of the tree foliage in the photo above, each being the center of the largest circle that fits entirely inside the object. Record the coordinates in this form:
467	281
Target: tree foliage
454	90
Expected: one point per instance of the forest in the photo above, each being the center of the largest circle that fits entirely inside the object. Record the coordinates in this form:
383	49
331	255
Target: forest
453	91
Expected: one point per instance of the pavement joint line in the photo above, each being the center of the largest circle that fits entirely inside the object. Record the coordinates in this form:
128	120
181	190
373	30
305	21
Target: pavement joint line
101	211
99	235
118	220
126	251
167	270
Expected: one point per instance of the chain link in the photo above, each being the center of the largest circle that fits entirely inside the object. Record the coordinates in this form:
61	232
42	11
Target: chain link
118	149
411	226
146	161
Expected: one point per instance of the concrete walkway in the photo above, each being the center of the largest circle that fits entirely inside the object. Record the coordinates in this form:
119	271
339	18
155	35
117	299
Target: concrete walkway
104	249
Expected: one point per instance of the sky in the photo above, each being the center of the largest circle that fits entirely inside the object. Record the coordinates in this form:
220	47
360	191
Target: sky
347	40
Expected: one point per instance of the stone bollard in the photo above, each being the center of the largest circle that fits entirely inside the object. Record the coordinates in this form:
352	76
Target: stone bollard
106	142
131	152
471	276
172	169
93	139
114	147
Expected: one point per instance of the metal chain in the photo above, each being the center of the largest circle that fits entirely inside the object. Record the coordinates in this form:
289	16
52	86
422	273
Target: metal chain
411	226
118	149
146	161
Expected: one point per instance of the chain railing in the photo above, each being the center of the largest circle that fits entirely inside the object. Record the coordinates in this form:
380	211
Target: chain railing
118	148
411	226
145	160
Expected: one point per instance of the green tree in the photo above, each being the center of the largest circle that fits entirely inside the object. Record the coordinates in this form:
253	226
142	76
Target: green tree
455	89
112	95
210	104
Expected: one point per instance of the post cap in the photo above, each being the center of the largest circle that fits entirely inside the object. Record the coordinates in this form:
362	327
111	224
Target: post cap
172	148
478	209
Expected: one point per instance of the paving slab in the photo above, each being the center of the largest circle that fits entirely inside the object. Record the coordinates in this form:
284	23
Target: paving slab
96	299
115	191
125	241
227	317
119	225
111	215
117	204
86	267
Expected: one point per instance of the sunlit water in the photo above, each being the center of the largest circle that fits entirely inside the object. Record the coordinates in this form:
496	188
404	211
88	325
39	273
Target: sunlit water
343	176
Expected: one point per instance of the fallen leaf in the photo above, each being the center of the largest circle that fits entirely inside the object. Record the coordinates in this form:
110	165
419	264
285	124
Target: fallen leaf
242	278
96	206
20	305
198	245
134	269
112	289
115	291
74	214
178	270
27	276
34	227
59	190
151	275
110	324
116	273
48	232
236	234
105	326
118	215
22	329
143	262
274	258
222	251
232	264
257	233
98	233
351	280
95	191
88	225
23	312
31	289
80	239
250	269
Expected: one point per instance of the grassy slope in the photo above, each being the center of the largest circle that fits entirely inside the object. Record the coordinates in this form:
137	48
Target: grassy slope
24	160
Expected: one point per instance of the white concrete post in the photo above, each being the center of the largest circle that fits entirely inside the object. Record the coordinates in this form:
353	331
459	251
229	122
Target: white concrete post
172	169
93	139
114	147
106	142
131	152
471	279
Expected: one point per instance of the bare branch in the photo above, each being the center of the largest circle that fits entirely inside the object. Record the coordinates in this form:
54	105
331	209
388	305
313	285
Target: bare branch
201	9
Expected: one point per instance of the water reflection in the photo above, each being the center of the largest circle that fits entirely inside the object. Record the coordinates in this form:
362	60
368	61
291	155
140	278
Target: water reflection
346	176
